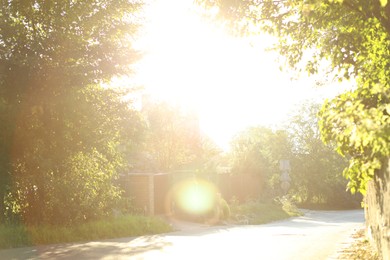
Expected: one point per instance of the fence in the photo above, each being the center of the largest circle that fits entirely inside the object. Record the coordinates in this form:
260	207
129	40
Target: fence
151	190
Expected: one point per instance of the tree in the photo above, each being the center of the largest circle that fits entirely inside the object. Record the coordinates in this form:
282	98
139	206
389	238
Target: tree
60	130
354	36
64	171
316	167
258	150
173	140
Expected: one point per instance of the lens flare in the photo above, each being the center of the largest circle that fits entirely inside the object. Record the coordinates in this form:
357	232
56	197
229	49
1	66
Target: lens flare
196	196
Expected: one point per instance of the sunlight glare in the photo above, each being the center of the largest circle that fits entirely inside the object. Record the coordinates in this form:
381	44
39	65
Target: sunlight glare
231	82
196	196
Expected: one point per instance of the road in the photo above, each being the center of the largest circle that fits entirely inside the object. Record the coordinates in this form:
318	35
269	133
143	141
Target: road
317	235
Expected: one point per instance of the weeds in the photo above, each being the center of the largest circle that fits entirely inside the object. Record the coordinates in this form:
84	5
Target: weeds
258	212
19	235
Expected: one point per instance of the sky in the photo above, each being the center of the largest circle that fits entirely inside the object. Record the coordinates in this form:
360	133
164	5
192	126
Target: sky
231	83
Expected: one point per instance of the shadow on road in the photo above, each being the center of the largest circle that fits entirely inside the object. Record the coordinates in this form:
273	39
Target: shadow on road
311	219
89	250
297	234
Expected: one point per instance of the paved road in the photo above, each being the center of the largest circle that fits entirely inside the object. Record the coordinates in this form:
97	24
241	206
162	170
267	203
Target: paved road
317	235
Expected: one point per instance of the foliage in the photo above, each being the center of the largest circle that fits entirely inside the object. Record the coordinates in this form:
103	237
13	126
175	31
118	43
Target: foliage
172	140
60	131
258	150
342	31
288	206
360	129
225	209
354	36
173	136
79	42
316	167
13	236
258	212
18	235
64	171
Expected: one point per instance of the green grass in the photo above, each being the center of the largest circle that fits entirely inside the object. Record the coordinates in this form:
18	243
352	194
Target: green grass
19	235
257	212
11	236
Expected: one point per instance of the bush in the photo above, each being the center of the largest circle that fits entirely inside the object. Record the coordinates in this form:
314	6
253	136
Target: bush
225	209
258	212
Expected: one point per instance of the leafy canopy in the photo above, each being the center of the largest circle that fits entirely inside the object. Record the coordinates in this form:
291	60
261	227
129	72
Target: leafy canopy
316	167
258	150
60	130
354	37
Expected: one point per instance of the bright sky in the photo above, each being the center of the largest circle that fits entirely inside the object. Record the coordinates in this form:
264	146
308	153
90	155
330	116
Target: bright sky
231	83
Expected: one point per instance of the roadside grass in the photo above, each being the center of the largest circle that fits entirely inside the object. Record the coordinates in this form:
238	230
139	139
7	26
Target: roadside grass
12	236
260	212
252	213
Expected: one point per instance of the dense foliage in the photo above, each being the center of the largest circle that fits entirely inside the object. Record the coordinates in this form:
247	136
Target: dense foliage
171	140
359	123
173	136
59	129
258	150
316	167
354	37
316	179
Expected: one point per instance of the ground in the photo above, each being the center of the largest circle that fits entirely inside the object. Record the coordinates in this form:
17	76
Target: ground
359	248
316	235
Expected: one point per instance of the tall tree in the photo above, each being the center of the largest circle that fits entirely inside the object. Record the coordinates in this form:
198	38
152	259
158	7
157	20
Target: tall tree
316	168
51	53
258	150
173	138
354	36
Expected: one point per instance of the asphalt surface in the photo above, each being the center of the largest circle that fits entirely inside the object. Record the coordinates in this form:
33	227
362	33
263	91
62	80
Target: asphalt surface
315	236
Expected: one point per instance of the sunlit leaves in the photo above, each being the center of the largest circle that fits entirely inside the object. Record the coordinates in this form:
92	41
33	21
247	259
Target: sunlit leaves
86	41
383	2
60	131
355	37
316	168
358	123
68	154
172	140
258	150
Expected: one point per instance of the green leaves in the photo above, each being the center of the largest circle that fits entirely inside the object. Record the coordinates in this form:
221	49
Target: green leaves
83	41
173	140
258	150
358	123
68	155
354	36
383	2
60	130
316	168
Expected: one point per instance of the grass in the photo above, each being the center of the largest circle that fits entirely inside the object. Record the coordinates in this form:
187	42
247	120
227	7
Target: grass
12	236
258	212
253	212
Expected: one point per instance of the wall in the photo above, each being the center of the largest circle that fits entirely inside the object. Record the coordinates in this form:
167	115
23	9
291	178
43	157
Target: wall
377	210
241	186
139	187
149	190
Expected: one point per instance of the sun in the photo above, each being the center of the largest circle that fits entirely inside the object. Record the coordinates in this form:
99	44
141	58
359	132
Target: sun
230	82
